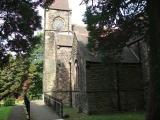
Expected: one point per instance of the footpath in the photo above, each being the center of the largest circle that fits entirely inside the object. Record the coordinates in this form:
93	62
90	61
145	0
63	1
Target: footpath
17	113
38	111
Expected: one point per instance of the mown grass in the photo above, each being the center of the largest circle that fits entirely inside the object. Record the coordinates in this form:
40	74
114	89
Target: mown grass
114	116
4	112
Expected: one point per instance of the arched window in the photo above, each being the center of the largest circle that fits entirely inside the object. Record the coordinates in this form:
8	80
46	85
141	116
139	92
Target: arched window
76	74
58	24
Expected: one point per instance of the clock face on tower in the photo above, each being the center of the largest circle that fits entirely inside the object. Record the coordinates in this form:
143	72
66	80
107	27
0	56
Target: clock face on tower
58	24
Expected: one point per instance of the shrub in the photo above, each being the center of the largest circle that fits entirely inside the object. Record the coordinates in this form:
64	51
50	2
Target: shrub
9	102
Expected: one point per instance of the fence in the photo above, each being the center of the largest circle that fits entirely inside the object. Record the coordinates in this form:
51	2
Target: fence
27	105
55	103
36	97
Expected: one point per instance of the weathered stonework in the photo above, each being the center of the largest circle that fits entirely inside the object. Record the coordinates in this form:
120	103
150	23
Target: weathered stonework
63	73
49	62
98	88
78	78
58	45
50	15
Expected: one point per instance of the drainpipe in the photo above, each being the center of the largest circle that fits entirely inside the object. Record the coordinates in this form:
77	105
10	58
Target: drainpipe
70	85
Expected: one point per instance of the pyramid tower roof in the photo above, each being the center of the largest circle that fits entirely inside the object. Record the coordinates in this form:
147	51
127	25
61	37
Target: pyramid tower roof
60	5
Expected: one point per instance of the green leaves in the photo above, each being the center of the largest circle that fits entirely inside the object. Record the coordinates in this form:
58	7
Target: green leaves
19	19
111	23
35	71
12	76
22	68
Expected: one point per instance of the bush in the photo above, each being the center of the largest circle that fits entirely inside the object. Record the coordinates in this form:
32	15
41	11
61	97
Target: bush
9	102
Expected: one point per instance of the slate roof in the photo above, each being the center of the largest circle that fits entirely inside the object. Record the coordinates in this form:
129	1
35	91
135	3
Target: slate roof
60	5
65	40
82	38
131	53
128	56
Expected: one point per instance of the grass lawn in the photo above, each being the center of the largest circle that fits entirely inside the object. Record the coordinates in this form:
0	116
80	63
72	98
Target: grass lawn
116	116
4	112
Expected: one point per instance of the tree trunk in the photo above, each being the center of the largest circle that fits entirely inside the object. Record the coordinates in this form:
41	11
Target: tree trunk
153	108
118	88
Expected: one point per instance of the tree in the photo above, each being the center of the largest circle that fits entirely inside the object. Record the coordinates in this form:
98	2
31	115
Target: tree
112	24
19	19
154	43
36	67
20	70
12	76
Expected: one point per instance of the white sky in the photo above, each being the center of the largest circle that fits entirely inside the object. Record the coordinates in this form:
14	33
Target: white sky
77	11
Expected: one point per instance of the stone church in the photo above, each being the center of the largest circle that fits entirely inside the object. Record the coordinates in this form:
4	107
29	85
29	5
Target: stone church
75	76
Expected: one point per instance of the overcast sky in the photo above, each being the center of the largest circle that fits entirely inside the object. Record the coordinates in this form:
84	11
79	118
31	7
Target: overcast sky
77	11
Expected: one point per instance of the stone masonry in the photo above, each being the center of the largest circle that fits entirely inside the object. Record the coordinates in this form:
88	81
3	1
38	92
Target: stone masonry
77	77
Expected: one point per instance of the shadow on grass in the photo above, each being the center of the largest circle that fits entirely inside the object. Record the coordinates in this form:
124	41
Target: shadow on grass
74	115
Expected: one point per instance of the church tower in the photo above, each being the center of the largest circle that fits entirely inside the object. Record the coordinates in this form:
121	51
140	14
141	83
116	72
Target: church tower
57	16
58	45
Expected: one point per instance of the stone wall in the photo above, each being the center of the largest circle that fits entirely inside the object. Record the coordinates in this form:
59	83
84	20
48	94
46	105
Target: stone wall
98	88
50	52
49	72
101	88
58	45
63	74
118	88
131	85
78	68
89	85
51	14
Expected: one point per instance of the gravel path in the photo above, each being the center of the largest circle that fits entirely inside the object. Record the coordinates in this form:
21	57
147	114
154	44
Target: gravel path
39	111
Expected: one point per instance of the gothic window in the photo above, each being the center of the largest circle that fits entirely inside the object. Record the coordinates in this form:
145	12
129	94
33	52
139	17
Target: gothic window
58	24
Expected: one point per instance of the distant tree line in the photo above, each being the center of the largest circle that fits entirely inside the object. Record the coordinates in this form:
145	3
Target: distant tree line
20	69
